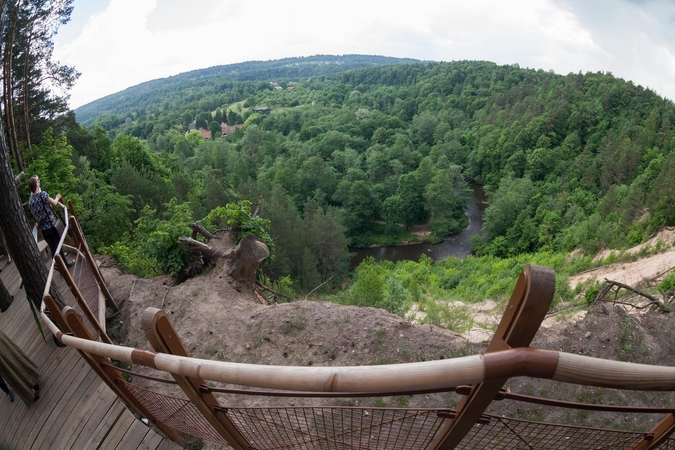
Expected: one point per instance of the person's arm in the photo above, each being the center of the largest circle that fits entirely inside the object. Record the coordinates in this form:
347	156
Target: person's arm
54	201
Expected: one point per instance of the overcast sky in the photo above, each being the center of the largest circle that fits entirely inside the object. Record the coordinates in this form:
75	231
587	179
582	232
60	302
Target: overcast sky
116	44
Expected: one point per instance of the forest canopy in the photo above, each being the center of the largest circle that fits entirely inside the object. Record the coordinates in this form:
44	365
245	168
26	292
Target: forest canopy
581	161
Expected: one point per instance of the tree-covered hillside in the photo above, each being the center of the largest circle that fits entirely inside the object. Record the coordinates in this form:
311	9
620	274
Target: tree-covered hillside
178	90
577	161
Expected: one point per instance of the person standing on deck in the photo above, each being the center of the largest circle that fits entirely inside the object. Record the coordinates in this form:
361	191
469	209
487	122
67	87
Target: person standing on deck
41	204
19	371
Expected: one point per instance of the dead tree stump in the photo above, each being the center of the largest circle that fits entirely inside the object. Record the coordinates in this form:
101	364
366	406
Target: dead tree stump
246	258
239	263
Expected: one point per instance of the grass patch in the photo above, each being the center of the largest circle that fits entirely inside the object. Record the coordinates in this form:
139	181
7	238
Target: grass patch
380	403
331	352
292	327
453	317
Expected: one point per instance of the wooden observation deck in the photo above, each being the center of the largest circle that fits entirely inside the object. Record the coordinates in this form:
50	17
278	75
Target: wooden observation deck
87	401
76	409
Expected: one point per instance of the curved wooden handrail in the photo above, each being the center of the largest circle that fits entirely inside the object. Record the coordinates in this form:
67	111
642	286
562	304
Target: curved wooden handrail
50	276
441	374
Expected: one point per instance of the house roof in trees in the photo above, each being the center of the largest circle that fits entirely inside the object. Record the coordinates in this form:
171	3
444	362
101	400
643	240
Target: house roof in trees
228	130
206	134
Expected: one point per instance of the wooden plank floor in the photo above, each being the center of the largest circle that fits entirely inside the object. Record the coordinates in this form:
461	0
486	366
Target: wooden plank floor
76	410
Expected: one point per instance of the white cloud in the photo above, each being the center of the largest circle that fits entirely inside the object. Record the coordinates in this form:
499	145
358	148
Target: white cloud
135	41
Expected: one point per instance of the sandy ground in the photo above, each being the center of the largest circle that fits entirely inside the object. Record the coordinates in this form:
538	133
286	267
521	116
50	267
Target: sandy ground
650	268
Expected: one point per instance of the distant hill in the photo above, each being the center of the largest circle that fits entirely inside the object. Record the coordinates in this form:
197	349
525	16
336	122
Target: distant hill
151	93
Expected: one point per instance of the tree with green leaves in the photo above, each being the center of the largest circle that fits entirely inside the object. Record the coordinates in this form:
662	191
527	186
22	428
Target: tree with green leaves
152	248
369	288
506	203
133	151
412	200
214	129
447	197
392	212
326	239
287	231
146	188
52	160
105	214
360	207
31	78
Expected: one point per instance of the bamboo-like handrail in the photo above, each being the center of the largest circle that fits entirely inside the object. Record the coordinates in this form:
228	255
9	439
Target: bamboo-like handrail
504	360
577	369
441	374
50	276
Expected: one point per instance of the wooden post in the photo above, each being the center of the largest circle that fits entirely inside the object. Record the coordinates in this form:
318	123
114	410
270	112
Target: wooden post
658	435
78	235
112	377
163	338
526	310
54	314
63	270
71	209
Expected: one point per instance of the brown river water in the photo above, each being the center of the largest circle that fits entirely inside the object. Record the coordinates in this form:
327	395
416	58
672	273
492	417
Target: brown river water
458	244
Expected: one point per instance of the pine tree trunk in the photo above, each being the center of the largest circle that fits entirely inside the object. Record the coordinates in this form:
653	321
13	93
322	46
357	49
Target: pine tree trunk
8	58
26	109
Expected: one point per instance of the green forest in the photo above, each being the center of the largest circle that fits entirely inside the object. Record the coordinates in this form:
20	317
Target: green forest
581	161
354	150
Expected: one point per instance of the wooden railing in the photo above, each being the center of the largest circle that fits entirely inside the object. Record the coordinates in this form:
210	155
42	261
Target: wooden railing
480	376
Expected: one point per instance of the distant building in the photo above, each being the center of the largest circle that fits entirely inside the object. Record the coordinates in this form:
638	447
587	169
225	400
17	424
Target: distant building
228	130
290	88
206	134
265	111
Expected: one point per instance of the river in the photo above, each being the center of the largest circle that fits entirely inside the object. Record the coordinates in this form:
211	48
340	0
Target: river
458	244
